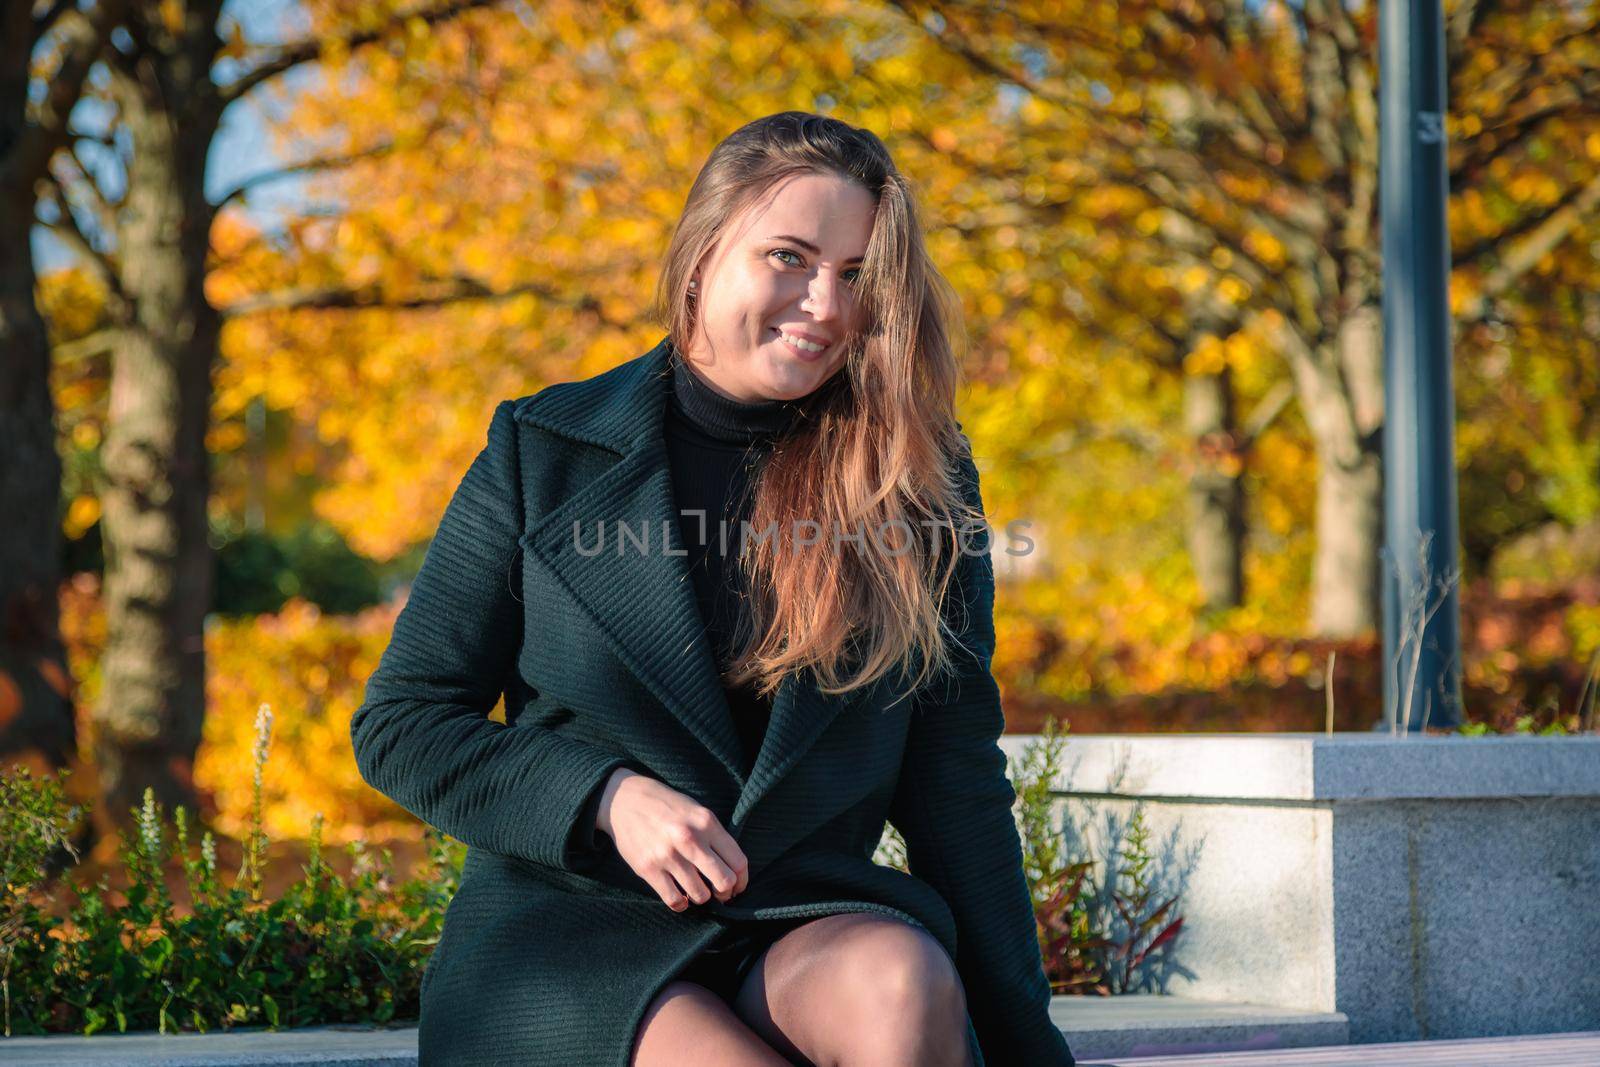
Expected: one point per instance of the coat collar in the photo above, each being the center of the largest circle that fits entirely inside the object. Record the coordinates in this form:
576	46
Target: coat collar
643	601
617	409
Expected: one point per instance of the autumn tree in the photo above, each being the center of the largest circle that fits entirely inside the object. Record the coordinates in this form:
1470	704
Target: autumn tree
1248	134
172	72
1080	217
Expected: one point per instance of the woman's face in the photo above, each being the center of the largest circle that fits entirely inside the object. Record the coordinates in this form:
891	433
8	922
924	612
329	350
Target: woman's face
787	267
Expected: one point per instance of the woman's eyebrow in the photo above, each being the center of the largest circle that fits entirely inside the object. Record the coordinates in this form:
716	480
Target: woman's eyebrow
807	245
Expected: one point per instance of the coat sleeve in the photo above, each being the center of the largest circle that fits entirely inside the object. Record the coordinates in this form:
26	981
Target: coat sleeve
422	735
953	806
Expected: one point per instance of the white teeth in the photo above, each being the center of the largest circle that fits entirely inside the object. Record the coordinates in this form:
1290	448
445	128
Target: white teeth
798	343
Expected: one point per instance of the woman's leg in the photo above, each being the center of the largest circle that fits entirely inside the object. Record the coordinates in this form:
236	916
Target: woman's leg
689	1024
858	989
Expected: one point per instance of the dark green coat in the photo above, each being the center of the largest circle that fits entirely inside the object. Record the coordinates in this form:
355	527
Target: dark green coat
553	946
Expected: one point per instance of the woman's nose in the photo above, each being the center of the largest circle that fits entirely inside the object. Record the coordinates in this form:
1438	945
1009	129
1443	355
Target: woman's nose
824	298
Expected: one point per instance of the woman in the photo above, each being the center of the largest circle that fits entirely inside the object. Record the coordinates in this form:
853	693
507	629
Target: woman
716	695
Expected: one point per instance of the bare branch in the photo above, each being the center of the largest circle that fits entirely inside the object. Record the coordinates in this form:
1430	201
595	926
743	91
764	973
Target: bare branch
97	343
72	234
1070	438
451	290
98	138
83	39
1553	228
1484	246
105	211
1326	82
1272	124
43	23
295	53
1459	26
1579	96
1266	412
326	163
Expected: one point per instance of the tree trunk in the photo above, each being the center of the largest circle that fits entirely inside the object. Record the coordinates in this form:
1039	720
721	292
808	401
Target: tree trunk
36	705
36	711
1340	386
1346	569
1216	532
158	557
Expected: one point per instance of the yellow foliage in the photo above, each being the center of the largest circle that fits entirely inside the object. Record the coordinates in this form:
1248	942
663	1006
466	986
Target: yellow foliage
1208	356
225	437
1193	278
1233	289
577	176
312	670
1265	247
82	513
1463	289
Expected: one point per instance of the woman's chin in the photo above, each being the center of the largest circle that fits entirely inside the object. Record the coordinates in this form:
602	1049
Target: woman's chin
802	382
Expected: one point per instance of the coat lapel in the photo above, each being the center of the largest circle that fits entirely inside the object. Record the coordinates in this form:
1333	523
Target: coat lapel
642	597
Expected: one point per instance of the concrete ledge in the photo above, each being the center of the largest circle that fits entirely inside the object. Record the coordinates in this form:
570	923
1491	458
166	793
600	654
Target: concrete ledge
311	1046
1096	1027
1412	884
1145	1024
1315	767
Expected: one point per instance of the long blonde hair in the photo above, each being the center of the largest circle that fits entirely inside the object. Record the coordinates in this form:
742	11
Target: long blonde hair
879	448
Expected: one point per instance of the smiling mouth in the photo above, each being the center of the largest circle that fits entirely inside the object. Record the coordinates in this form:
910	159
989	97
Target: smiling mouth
804	353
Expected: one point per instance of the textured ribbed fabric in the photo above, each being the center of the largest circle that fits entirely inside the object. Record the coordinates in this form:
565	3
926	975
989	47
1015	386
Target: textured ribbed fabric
716	445
553	947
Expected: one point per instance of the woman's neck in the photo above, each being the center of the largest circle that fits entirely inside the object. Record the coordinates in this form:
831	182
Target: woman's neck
723	418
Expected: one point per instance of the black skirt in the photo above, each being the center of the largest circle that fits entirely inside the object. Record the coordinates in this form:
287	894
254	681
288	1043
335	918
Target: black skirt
723	965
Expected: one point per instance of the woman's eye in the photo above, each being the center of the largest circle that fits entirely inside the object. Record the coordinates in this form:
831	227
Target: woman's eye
854	271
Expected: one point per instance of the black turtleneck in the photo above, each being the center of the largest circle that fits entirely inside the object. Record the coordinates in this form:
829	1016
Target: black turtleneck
715	446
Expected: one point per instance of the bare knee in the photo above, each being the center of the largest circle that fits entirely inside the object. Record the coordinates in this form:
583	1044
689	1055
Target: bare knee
896	968
908	996
859	989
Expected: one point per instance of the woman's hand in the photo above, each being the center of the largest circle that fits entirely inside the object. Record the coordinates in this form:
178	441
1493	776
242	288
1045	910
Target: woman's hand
671	840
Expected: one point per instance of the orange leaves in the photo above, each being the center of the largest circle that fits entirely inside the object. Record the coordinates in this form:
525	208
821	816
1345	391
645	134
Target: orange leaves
1207	356
311	669
82	513
1465	289
1233	289
1266	247
10	699
55	676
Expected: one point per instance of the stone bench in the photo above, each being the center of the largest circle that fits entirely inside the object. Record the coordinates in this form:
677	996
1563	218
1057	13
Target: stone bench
1096	1027
1422	887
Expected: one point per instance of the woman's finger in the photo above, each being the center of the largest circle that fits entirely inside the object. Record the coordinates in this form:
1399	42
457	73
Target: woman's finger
732	856
689	878
667	890
718	873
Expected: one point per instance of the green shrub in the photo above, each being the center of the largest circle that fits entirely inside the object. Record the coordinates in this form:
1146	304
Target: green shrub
331	950
1085	949
327	951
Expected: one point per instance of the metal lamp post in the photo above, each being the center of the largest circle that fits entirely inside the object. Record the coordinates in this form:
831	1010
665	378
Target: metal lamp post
1421	610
